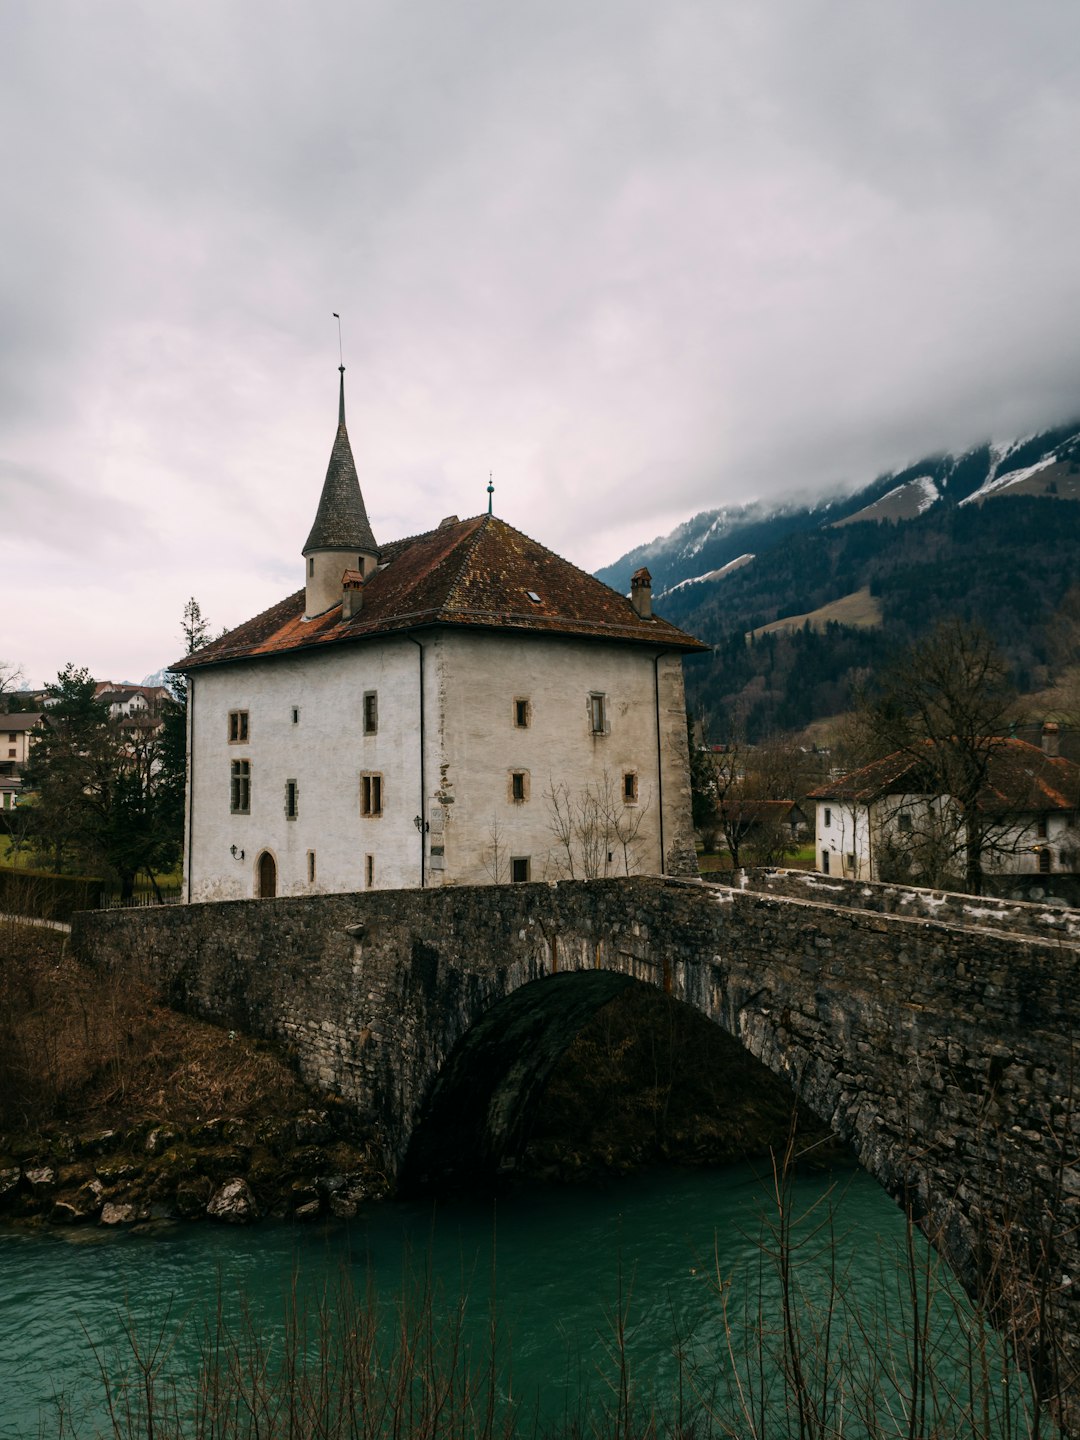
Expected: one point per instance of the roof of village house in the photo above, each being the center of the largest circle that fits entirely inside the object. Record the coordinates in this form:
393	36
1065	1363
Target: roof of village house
341	521
19	720
1020	777
479	573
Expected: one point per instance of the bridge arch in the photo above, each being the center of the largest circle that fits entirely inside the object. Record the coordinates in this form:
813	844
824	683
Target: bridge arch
944	1053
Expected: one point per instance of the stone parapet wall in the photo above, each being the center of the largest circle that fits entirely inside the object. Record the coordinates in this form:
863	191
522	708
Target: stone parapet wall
984	912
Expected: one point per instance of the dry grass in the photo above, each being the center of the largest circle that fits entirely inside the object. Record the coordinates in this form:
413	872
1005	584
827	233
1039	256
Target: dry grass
859	609
83	1049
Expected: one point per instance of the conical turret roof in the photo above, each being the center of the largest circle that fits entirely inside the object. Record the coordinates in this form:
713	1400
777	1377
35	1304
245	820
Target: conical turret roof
341	521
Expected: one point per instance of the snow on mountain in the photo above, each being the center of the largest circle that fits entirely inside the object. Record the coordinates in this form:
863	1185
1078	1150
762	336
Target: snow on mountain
736	564
704	548
997	482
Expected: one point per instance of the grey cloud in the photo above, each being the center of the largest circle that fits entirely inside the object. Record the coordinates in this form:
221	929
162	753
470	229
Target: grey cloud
637	259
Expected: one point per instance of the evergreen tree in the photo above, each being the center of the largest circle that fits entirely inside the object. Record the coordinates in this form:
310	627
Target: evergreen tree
102	795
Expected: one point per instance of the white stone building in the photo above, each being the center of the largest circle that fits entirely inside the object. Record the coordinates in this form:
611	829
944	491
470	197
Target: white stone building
459	707
883	822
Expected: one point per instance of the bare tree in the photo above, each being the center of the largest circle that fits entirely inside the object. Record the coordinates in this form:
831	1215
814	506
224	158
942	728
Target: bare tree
495	857
751	782
946	703
590	824
11	679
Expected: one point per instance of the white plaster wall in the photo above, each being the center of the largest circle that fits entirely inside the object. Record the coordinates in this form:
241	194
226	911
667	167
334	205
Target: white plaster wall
325	753
476	679
847	833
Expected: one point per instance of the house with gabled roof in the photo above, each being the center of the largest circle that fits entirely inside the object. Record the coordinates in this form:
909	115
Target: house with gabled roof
888	820
16	736
461	706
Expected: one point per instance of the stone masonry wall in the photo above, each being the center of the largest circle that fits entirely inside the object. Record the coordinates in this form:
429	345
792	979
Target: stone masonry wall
943	1054
984	912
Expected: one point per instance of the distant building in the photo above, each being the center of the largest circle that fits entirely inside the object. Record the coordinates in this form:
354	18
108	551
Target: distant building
462	706
15	742
885	822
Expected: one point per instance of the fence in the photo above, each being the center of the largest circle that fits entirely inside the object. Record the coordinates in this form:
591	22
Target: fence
166	895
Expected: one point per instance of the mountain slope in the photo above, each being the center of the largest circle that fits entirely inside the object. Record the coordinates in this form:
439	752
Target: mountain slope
992	535
711	540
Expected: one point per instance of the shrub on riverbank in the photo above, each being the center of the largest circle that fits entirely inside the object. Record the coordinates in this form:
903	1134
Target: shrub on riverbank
113	1105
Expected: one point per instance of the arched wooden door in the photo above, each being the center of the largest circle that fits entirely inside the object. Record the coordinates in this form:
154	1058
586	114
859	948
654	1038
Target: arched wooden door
267	874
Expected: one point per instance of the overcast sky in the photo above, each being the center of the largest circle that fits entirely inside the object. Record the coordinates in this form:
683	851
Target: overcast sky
636	259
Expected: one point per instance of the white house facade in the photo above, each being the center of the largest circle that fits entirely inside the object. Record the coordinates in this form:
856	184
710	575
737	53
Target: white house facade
463	707
874	825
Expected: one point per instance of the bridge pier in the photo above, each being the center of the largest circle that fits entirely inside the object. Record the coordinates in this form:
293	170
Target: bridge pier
943	1053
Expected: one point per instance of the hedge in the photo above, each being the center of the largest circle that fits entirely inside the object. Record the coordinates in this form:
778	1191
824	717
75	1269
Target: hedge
48	897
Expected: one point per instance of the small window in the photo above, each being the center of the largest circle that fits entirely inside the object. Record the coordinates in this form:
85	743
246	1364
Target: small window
519	785
296	715
629	787
1041	829
311	566
240	789
12	736
598	714
369	871
238	727
903	822
311	867
1046	860
519	868
850	858
371	799
371	712
522	713
825	862
827	820
533	596
291	800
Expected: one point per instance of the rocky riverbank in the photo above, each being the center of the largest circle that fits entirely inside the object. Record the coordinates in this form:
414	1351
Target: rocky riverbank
226	1169
115	1110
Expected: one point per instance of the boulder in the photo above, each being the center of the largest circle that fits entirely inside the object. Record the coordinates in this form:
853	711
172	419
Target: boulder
82	1204
233	1203
312	1128
9	1180
41	1179
102	1142
160	1138
192	1196
118	1214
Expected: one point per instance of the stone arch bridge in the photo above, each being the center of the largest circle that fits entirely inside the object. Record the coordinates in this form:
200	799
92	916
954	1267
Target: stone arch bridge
935	1033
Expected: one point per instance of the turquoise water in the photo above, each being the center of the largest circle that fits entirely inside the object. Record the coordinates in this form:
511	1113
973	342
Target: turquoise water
563	1265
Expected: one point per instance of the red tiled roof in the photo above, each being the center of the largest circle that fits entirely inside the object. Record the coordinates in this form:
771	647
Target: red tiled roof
469	573
1020	777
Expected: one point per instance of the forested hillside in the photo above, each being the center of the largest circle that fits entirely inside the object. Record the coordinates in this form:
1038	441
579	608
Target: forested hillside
1008	566
990	536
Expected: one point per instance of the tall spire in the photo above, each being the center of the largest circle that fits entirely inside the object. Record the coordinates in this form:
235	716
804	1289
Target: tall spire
341	538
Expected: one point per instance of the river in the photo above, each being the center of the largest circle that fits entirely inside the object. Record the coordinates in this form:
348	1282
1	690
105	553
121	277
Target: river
558	1261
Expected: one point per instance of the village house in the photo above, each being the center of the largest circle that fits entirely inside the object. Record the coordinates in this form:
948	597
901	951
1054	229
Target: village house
15	736
462	706
883	822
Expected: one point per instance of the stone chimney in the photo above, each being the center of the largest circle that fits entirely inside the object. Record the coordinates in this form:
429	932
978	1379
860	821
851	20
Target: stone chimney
641	593
1050	738
352	594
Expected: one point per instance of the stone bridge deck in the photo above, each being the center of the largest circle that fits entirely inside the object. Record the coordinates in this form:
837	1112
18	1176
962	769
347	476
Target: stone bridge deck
942	1050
